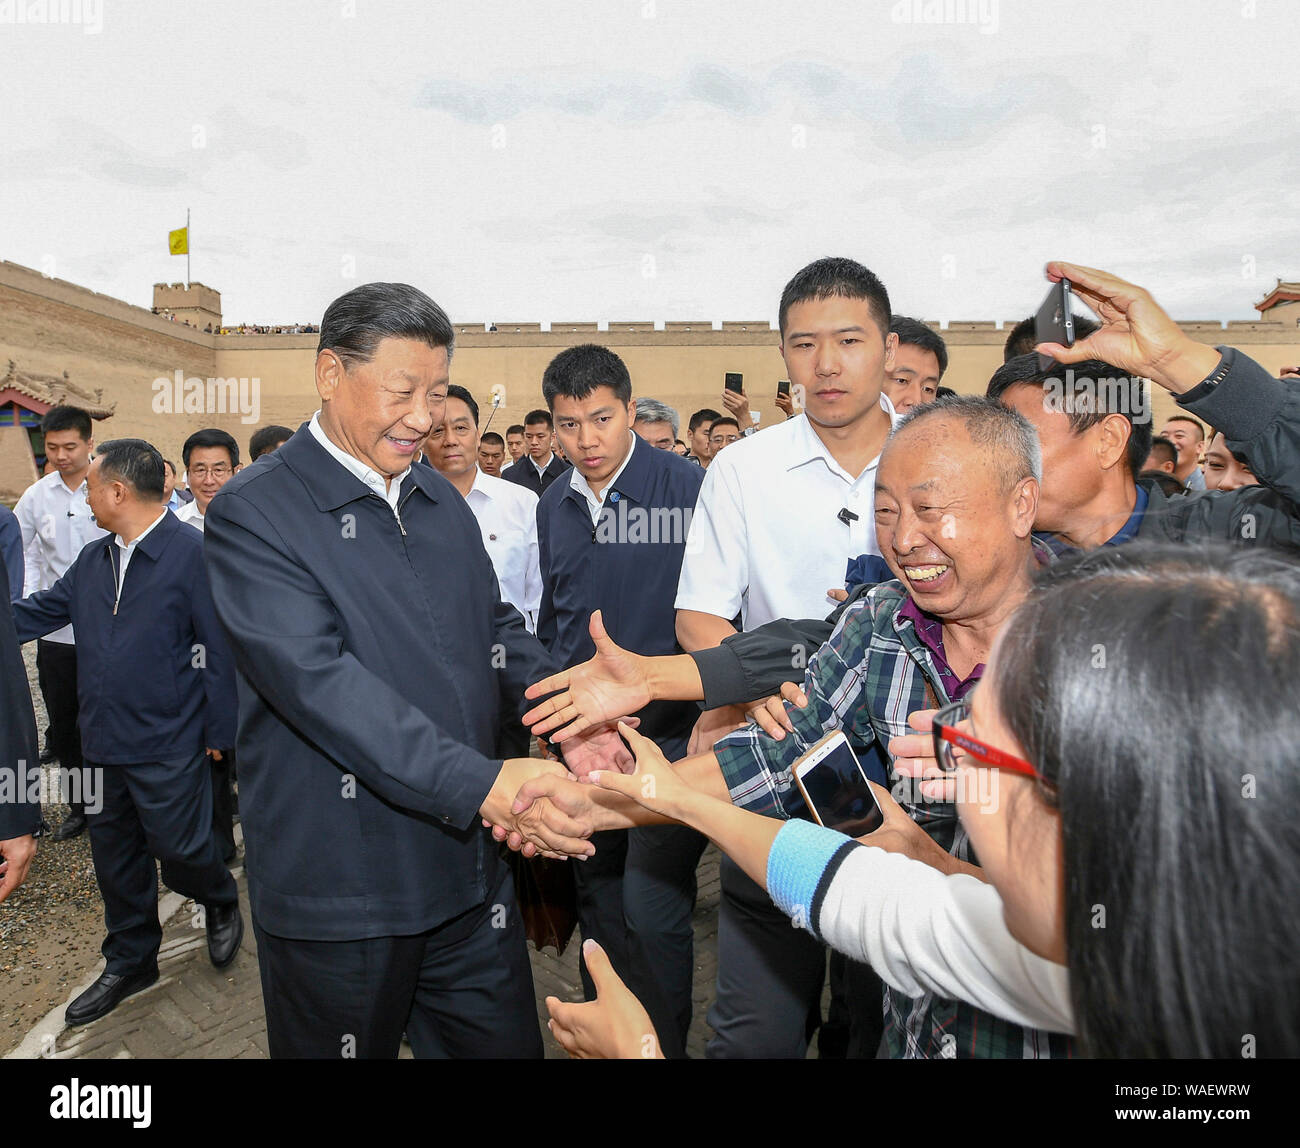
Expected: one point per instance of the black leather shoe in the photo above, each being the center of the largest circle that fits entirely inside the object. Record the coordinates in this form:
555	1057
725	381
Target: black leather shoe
72	826
106	994
225	932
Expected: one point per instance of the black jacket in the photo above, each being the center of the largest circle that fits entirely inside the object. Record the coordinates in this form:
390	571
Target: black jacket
524	473
19	753
373	654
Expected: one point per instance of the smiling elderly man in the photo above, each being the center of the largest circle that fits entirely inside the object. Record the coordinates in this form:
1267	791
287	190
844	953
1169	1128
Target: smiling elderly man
374	655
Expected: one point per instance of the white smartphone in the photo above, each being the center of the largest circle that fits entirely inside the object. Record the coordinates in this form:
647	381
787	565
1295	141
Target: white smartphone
836	789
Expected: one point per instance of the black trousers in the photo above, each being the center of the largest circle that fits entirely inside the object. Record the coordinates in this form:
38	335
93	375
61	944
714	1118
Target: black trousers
461	990
56	675
159	809
599	883
223	802
659	890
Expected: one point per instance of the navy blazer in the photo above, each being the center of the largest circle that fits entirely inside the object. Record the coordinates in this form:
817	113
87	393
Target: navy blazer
372	654
524	473
154	680
627	567
19	751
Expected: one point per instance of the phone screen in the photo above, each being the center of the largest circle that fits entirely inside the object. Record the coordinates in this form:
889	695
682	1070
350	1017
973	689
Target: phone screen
733	381
838	790
1054	322
783	386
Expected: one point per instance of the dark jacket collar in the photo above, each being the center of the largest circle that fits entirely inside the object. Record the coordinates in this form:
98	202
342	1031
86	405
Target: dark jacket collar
330	483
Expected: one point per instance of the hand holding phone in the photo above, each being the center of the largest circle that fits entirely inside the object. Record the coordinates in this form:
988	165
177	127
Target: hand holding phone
1054	322
835	788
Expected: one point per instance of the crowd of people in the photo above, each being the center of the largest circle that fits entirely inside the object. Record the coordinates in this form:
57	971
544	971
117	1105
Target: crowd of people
434	660
260	329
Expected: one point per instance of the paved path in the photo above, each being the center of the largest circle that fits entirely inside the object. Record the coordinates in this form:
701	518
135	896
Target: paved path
198	1012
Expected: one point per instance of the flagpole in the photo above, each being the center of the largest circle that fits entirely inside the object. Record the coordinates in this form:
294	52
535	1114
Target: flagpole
187	247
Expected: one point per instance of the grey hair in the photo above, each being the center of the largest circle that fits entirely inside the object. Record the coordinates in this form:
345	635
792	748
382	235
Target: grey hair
653	411
1005	433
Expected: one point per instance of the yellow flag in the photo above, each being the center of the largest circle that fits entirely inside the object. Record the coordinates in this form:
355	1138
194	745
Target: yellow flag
178	241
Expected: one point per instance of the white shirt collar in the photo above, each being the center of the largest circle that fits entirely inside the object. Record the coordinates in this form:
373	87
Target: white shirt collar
541	469
372	478
580	484
140	537
810	446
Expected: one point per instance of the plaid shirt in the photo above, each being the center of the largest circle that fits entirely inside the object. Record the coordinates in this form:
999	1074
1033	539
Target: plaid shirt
872	672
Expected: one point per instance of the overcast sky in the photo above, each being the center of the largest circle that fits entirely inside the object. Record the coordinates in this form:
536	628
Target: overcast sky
665	159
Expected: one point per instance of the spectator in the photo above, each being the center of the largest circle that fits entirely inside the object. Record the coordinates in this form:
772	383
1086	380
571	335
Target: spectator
697	434
1226	469
515	445
1055	843
1188	435
57	524
542	466
920	359
266	439
1162	456
491	453
722	432
634	503
679	447
173	499
149	706
211	459
657	423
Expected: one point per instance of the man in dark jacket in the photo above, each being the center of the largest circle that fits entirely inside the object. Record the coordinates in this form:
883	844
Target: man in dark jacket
155	693
374	655
20	807
540	466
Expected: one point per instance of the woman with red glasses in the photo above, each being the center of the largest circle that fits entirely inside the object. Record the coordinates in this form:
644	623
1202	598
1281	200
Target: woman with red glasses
1136	823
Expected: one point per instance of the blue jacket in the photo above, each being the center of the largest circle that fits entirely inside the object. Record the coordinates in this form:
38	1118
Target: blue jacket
627	567
11	551
373	656
155	681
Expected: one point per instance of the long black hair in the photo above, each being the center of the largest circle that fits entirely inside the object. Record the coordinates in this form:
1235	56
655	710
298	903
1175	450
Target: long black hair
1154	687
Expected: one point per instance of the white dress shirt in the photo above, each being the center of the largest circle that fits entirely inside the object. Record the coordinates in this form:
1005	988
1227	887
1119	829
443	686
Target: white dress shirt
125	550
507	519
388	491
596	502
190	513
56	524
765	539
540	468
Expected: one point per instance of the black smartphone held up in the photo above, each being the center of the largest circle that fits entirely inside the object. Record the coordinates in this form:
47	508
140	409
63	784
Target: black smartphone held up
1054	322
782	386
836	789
734	381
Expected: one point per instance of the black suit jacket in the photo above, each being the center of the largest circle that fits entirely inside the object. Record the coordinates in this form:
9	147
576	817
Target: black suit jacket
524	474
373	654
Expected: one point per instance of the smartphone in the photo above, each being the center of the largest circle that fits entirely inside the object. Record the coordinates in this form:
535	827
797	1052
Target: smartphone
1054	322
836	789
782	386
734	381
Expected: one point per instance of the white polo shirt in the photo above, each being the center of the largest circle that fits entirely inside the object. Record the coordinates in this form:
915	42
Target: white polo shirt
766	539
190	512
507	519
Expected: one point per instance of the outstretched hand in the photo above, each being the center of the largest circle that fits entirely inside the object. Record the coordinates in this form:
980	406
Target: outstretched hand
612	683
614	1026
1136	334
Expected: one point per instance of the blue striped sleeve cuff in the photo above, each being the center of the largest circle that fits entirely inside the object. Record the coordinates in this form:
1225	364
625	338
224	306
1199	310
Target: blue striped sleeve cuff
800	864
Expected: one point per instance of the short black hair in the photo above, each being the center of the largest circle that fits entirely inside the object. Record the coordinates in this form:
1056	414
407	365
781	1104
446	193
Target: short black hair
210	437
168	462
1024	339
576	372
491	438
458	392
267	439
515	428
944	393
1085	397
702	416
914	333
532	418
64	417
1200	430
1162	445
833	277
720	421
357	322
136	463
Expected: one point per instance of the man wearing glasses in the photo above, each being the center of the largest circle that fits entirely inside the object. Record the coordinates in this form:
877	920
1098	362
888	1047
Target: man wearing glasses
211	459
